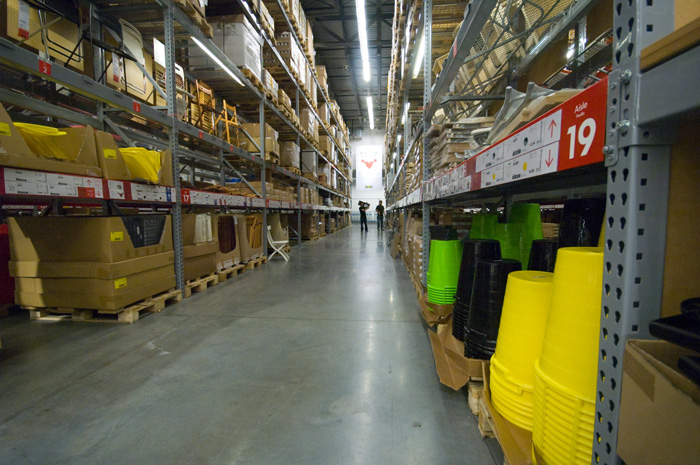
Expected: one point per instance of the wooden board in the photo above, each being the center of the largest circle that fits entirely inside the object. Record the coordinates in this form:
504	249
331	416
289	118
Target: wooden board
672	45
227	273
255	263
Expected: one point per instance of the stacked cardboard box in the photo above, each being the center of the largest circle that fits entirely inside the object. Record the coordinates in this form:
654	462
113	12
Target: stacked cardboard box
250	234
100	263
271	143
290	52
289	154
7	284
322	78
236	37
270	84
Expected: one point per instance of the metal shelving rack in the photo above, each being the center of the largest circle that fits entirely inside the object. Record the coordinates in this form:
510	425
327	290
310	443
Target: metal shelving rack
643	109
209	155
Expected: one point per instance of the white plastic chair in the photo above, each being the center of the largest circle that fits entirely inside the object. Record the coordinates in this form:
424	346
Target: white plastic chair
277	246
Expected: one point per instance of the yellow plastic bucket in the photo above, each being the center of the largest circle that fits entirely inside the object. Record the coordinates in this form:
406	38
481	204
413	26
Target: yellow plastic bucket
142	163
566	372
520	336
44	140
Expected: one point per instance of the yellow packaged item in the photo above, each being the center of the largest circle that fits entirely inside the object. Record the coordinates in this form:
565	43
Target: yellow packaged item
142	163
44	140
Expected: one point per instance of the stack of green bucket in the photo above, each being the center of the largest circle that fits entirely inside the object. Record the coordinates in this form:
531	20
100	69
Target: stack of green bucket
443	271
516	236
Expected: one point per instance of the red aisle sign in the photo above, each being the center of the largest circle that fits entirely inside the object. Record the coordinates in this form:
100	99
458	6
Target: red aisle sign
583	127
186	197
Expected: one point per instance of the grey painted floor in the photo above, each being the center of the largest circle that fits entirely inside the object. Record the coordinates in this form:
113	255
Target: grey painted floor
322	360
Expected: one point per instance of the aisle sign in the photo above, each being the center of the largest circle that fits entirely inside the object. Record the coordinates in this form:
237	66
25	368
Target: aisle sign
568	136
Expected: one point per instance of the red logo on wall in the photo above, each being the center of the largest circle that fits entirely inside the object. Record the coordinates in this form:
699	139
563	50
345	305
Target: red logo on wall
369	164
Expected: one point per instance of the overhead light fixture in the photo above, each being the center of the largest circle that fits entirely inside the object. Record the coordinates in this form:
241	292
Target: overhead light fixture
362	34
370	112
394	155
216	59
570	53
398	139
419	57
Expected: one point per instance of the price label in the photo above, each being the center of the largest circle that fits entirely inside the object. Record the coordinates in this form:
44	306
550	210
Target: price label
137	107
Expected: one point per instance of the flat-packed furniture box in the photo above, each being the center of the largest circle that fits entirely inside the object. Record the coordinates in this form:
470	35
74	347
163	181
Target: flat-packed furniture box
72	153
60	37
659	406
7	284
229	253
250	234
271	135
200	244
101	263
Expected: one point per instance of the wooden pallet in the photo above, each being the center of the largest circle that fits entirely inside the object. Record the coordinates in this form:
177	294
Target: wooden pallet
223	275
129	314
310	238
486	427
253	79
475	391
201	284
272	157
196	17
255	263
293	169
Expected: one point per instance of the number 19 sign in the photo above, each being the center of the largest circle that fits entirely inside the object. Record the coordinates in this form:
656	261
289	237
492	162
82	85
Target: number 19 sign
566	137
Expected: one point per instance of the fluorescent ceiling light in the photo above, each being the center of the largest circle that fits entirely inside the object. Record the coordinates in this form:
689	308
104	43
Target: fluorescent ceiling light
405	112
398	139
362	34
216	59
394	155
370	112
419	57
570	53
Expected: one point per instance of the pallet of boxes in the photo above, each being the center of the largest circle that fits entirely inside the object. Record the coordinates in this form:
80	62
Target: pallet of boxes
106	268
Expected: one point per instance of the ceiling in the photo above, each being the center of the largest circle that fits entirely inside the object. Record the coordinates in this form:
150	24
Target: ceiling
334	24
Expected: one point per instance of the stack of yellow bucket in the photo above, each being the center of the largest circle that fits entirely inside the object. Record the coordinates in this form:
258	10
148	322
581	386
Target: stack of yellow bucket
565	374
520	335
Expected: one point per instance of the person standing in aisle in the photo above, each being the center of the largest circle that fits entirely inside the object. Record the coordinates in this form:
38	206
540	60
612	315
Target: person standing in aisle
380	216
363	215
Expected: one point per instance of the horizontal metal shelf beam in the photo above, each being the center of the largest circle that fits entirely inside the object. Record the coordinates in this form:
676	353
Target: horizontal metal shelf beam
670	88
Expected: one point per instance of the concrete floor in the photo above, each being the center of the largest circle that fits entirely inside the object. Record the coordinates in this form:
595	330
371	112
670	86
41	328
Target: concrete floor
322	360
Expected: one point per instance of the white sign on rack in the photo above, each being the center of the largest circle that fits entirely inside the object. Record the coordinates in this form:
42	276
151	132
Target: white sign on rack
368	162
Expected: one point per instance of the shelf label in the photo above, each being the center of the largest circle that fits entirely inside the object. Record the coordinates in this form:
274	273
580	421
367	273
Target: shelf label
120	283
137	106
23	20
116	190
44	67
186	196
110	153
116	236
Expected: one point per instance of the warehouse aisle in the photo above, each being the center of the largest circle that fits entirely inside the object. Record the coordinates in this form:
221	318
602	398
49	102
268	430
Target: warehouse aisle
322	360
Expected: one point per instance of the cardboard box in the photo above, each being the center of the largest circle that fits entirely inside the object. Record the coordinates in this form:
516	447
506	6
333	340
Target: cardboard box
289	155
235	36
322	77
62	36
200	259
81	239
113	166
91	299
453	368
229	253
107	271
79	142
659	408
269	83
